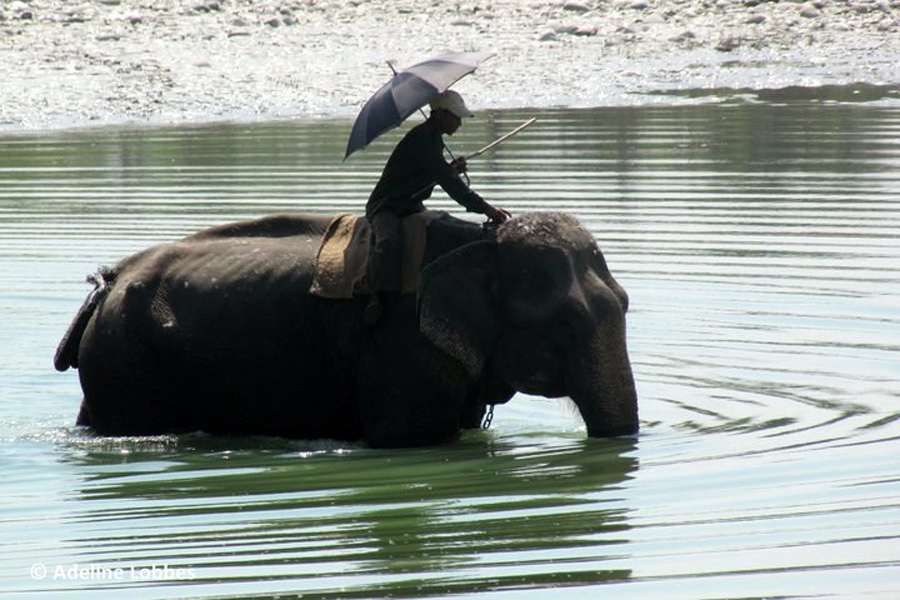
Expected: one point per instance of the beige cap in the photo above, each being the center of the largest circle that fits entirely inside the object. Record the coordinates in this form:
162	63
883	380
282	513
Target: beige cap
453	102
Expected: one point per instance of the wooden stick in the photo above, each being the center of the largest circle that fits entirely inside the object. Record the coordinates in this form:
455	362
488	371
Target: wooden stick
499	140
502	139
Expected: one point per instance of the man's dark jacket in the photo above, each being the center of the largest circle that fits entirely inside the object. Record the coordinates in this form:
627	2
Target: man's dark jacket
412	171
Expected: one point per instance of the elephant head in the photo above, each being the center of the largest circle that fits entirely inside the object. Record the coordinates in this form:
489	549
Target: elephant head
540	309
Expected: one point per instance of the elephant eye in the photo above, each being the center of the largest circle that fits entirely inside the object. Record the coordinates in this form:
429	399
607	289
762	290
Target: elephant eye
533	297
597	259
538	286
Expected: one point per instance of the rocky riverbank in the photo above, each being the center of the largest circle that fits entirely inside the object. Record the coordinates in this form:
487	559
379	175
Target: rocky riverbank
72	63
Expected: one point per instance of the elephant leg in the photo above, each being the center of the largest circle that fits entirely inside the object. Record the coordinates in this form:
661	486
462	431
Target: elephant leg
410	414
84	415
473	410
136	409
490	390
128	391
409	395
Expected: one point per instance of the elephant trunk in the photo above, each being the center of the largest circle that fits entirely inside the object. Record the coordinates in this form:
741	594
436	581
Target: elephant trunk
602	386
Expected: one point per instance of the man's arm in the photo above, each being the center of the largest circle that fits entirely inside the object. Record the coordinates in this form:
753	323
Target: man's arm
447	176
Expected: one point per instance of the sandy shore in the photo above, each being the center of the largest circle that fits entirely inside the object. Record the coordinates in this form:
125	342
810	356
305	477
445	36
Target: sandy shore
161	61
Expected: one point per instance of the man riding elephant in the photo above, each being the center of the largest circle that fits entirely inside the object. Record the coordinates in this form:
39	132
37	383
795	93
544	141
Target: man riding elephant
416	165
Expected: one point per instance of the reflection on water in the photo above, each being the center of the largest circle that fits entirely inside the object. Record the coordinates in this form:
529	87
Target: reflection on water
757	242
327	518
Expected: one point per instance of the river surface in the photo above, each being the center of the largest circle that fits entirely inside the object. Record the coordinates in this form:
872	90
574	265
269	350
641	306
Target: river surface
758	241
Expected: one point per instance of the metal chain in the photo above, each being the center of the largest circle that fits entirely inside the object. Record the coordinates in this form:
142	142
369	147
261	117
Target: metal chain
488	417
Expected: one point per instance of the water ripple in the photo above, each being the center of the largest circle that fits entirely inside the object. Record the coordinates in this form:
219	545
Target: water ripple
757	243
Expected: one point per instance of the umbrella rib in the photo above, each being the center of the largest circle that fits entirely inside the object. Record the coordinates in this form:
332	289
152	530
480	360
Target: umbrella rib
408	90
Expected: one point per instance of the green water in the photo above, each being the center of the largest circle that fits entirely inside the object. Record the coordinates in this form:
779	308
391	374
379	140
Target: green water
758	243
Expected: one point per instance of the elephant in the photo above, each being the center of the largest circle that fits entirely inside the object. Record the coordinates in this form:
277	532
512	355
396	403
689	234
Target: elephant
218	332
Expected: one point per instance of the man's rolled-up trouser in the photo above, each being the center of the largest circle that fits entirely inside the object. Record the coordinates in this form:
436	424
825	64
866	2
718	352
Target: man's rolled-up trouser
385	252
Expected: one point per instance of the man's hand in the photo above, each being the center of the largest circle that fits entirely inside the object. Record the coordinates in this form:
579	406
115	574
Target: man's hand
460	165
498	215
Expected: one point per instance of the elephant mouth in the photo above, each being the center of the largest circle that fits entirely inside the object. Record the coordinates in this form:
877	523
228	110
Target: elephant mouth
542	384
538	371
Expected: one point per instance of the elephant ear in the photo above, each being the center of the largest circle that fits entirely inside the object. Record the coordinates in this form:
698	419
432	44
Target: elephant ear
457	312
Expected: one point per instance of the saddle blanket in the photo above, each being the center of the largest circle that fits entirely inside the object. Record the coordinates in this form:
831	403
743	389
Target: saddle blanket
343	257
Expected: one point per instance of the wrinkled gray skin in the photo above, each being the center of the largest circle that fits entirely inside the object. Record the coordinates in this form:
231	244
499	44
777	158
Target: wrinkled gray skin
560	330
218	333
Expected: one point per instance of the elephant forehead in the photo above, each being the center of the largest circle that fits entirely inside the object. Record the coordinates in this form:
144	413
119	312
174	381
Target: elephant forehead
548	229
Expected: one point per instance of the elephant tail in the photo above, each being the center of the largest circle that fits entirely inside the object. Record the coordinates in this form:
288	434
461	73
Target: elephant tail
67	351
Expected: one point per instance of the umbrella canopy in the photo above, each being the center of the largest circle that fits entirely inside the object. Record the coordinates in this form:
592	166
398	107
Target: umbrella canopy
408	91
